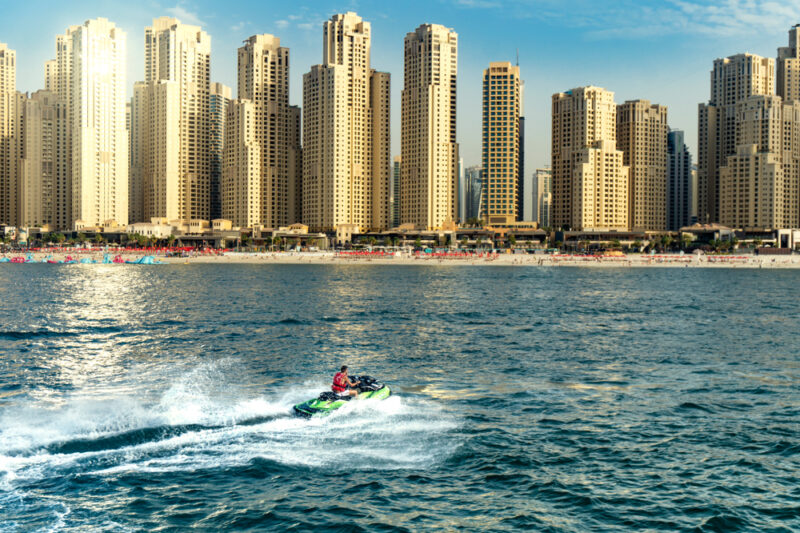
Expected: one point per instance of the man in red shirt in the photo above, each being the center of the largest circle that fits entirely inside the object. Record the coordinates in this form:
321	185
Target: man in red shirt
341	383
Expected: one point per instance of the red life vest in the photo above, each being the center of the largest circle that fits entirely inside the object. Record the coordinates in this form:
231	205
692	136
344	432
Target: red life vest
339	383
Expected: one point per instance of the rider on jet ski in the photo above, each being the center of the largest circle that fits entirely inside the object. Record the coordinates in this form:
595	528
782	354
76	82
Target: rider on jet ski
342	384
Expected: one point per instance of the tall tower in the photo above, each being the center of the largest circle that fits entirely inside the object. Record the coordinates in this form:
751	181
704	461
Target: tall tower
8	150
219	98
788	67
543	183
43	160
590	181
679	189
760	183
429	182
346	132
264	81
397	165
173	102
501	142
241	175
89	77
642	136
733	79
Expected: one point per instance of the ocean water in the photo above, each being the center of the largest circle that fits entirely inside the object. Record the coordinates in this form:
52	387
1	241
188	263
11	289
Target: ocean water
158	398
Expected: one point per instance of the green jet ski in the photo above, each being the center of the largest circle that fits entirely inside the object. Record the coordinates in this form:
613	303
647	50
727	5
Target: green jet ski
327	402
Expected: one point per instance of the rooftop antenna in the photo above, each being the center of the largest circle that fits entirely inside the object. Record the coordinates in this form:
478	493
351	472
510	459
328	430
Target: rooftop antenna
517	56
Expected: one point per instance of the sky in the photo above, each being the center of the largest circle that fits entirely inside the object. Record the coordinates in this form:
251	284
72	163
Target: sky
659	50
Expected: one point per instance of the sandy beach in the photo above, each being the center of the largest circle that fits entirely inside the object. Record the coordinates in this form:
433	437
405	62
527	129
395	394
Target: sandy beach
503	259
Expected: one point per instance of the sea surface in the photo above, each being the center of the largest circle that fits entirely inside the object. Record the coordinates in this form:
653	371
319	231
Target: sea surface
159	398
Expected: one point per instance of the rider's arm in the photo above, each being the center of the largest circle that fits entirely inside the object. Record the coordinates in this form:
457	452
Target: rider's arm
351	382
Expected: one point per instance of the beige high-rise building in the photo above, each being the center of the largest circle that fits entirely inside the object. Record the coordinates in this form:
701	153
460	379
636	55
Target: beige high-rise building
501	142
172	174
760	183
788	67
642	136
241	188
89	77
429	152
345	132
43	161
590	181
264	81
8	137
295	165
733	79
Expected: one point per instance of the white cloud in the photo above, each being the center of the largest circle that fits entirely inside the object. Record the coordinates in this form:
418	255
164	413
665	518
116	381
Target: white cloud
238	26
645	18
281	24
182	13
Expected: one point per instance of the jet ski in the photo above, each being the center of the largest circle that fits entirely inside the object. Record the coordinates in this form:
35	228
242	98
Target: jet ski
327	402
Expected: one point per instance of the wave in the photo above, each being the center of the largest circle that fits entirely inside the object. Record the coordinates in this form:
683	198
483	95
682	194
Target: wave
191	426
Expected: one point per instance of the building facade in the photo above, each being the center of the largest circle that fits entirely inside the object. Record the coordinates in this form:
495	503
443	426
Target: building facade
263	79
90	78
474	186
590	181
788	67
543	196
346	161
679	182
172	175
501	143
42	160
241	169
733	79
219	98
642	136
429	182
760	183
8	142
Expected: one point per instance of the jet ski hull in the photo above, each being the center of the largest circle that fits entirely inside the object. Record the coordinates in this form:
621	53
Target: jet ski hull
322	406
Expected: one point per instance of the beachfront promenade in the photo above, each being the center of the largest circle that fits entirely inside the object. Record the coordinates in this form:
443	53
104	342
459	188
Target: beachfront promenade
444	258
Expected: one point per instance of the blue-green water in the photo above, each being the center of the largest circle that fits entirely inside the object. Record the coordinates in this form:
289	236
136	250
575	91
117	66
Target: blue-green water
548	399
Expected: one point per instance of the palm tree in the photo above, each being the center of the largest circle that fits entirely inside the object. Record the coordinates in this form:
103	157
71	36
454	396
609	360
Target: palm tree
637	245
464	242
98	238
686	240
512	240
417	243
666	241
616	244
171	240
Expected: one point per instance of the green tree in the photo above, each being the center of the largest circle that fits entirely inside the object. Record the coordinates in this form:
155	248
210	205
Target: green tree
418	243
512	240
686	240
637	245
98	238
171	240
464	242
615	244
666	241
373	241
82	238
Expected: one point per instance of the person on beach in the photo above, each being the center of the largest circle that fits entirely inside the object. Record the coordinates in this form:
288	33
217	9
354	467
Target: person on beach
342	383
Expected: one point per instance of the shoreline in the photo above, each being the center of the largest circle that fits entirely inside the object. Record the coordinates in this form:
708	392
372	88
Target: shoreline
523	260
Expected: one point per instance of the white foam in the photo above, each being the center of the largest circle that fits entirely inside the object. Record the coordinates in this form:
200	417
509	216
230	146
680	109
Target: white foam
394	433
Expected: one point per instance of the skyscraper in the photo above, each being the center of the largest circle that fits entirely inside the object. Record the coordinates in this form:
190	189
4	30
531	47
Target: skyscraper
346	132
543	196
590	181
89	78
642	136
733	79
8	151
501	143
42	160
474	186
219	98
241	186
679	185
171	124
264	80
760	183
429	184
788	67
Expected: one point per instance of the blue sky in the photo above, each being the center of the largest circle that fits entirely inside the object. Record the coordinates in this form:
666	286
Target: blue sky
657	50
